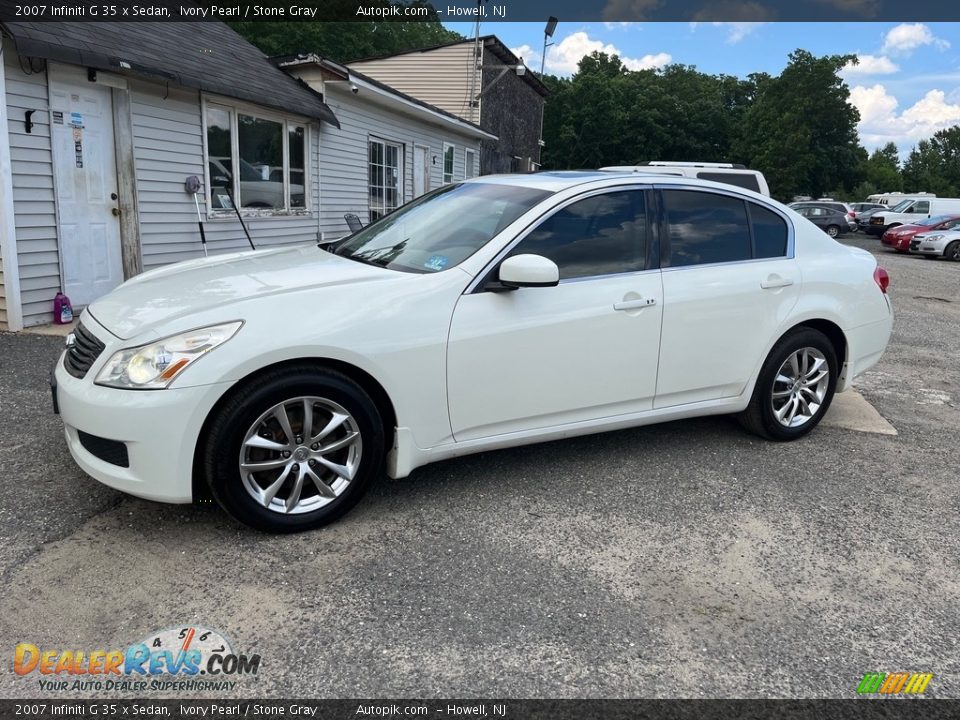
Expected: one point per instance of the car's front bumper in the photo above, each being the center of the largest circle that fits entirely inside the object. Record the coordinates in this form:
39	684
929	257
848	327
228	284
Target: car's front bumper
154	431
927	247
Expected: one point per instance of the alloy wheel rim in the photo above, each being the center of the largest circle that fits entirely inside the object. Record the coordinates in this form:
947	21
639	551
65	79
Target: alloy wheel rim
799	387
300	455
955	255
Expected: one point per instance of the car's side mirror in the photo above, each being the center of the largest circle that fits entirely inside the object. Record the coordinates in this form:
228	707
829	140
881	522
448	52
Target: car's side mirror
528	271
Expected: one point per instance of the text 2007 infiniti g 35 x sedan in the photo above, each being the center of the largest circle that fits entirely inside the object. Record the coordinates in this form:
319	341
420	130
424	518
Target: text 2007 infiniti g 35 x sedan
495	312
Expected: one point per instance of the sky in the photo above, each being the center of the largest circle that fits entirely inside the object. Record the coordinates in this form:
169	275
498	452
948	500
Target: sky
906	85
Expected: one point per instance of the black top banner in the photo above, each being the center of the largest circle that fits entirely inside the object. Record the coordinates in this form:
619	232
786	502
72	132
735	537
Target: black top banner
486	11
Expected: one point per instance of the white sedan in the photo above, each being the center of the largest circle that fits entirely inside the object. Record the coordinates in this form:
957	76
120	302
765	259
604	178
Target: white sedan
937	244
491	313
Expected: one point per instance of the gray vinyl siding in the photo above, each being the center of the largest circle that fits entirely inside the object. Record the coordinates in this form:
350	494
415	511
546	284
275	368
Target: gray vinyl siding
168	147
35	211
440	77
344	155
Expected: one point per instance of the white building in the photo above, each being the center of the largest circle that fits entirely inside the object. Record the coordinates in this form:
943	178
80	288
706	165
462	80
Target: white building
102	123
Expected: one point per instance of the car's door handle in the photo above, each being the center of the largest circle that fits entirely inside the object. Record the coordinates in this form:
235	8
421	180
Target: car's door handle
775	281
634	304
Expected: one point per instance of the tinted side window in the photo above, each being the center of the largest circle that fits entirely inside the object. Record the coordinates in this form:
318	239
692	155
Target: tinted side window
744	180
706	228
769	233
921	207
600	235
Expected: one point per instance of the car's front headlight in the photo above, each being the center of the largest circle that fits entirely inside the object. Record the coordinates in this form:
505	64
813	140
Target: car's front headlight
930	237
155	366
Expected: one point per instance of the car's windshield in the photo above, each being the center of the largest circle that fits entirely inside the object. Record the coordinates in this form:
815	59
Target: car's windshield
441	229
901	206
931	221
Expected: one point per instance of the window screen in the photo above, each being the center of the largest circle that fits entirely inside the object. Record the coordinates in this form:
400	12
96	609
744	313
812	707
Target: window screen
600	235
705	228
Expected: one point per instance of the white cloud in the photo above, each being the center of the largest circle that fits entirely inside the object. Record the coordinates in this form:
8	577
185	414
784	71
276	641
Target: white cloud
736	31
880	123
907	37
870	65
619	25
531	57
563	57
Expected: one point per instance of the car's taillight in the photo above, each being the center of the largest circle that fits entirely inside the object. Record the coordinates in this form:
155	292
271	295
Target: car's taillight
881	278
852	214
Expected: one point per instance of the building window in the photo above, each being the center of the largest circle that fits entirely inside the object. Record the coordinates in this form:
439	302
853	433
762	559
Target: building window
470	167
448	151
270	153
386	175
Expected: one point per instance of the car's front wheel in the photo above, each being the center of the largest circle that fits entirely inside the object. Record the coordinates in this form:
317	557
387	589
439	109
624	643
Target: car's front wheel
795	386
294	450
953	251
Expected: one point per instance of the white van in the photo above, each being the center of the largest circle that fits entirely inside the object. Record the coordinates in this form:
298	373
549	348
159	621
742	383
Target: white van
895	198
729	173
910	210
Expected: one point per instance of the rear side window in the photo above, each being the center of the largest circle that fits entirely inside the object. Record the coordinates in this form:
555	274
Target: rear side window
744	180
599	235
705	228
769	232
708	228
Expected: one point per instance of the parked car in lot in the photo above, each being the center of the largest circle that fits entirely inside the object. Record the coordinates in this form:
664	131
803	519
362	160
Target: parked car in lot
945	244
727	173
911	211
490	313
899	237
862	207
833	222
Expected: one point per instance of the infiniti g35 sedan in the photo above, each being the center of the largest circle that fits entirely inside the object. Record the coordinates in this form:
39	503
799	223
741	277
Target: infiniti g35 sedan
491	313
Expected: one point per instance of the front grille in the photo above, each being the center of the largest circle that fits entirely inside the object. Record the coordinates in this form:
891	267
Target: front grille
111	451
83	353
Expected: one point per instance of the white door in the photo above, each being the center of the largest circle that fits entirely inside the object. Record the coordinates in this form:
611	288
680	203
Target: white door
421	170
726	291
86	173
585	349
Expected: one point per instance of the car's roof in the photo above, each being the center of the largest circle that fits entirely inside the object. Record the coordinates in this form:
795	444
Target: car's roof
557	180
554	180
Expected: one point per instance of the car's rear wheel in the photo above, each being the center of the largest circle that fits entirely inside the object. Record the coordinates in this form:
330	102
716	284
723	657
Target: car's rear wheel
833	231
953	251
294	450
795	386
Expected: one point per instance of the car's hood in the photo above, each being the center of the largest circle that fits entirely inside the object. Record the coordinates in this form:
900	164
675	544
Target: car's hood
938	233
190	287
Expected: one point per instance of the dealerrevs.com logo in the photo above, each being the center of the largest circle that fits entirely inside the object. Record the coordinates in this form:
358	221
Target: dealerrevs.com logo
182	658
898	683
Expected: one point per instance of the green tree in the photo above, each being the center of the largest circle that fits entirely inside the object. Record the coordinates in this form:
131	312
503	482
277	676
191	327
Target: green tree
801	131
883	169
345	41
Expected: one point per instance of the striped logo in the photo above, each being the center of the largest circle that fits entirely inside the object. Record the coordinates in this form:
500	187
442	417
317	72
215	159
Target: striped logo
900	683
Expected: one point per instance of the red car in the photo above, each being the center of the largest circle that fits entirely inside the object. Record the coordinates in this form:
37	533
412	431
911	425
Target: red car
899	237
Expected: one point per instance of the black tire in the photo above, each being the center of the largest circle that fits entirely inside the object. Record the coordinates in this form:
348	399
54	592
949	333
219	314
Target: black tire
953	251
833	230
248	403
758	417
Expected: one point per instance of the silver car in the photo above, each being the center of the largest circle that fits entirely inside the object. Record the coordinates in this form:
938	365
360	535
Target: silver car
937	244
